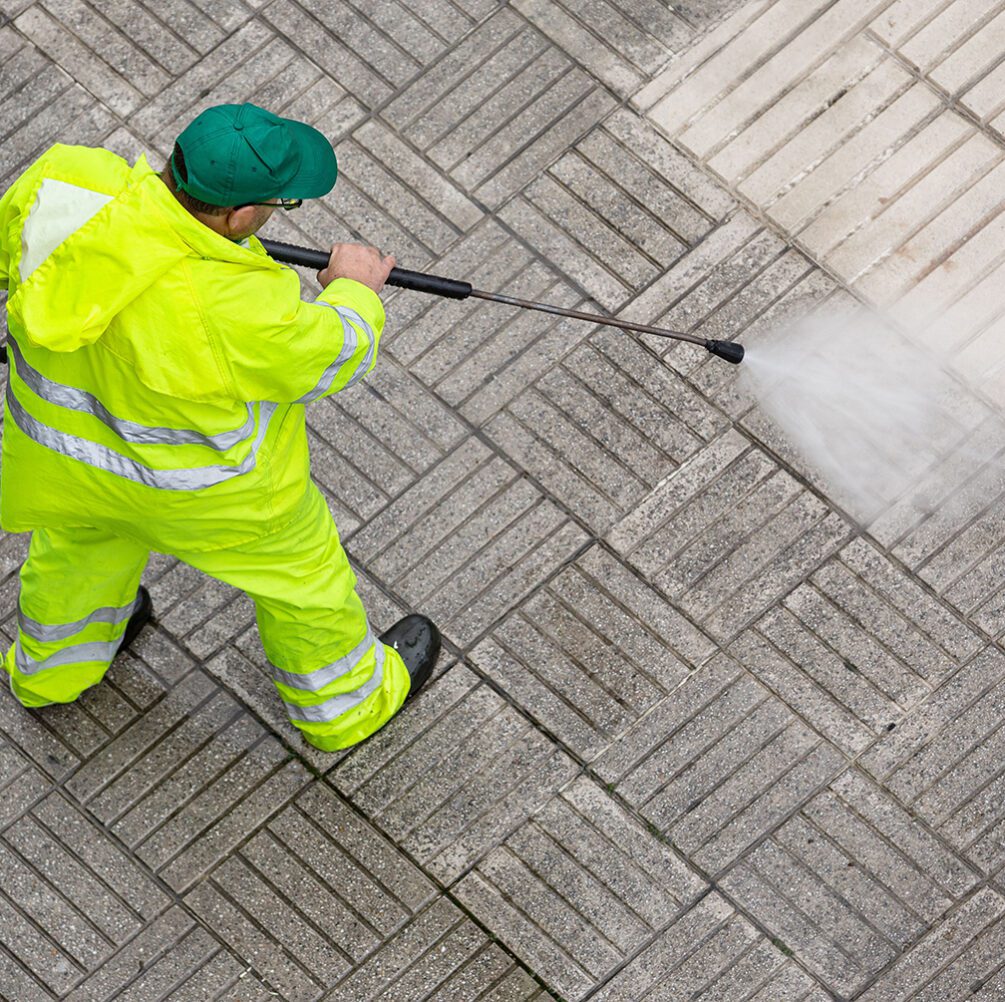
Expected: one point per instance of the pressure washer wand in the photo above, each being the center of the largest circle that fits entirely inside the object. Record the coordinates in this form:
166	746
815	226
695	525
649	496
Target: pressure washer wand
450	288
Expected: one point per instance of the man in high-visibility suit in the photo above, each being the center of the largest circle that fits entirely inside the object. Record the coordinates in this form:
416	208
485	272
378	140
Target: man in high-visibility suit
160	364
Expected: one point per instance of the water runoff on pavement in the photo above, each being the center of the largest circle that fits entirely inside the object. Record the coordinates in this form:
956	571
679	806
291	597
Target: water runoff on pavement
885	423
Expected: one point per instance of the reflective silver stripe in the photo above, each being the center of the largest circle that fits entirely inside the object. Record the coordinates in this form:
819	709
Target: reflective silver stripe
332	708
97	651
45	634
111	461
364	366
350	341
80	400
313	681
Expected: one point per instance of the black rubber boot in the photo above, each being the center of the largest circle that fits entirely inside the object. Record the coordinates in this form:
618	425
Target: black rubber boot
417	640
138	619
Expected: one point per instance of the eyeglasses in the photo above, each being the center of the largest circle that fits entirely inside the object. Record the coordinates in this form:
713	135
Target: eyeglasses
283	203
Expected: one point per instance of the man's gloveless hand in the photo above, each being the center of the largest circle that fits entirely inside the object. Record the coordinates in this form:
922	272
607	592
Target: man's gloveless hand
359	262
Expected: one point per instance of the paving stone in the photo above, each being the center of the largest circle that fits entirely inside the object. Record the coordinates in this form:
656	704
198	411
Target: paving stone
27	731
604	426
790	67
717	764
192	618
226	622
21	784
72	33
738	282
591	652
826	125
651	587
799	907
141	736
523	93
439	954
953	960
710	952
41	104
64	911
374	55
225	831
240	66
172	954
944	761
450	778
806	183
590	907
957	298
482	536
903	18
855	648
610	211
149	966
957	550
417	180
181	783
954	225
729	56
310	895
115	893
372	443
812	112
128	688
159	655
740	17
475	355
622	44
848	883
728	534
947	32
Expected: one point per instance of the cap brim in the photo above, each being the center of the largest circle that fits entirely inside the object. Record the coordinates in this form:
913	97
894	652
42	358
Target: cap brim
318	166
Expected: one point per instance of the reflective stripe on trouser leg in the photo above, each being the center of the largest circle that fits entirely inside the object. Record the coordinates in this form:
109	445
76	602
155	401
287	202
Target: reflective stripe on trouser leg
78	590
338	683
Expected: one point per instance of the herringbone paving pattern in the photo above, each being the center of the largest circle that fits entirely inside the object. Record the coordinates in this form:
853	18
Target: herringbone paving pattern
696	735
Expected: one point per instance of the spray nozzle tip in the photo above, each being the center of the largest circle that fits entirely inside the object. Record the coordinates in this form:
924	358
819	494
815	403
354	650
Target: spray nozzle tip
728	350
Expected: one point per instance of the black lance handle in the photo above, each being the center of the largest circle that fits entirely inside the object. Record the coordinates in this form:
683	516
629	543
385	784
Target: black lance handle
417	281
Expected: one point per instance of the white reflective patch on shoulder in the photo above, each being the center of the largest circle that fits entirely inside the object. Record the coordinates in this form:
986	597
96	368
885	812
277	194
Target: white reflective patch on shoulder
60	209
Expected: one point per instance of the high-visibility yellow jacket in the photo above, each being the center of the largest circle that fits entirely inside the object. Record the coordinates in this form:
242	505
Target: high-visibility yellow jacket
158	371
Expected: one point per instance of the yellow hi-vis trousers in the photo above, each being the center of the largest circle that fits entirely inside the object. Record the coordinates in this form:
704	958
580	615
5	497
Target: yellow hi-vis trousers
338	682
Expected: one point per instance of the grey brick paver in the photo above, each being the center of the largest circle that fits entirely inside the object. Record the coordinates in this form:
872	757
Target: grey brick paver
855	648
591	653
945	762
714	953
718	764
727	534
439	954
947	963
452	778
849	882
594	883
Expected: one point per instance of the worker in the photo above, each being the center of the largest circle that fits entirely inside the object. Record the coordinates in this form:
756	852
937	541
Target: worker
160	368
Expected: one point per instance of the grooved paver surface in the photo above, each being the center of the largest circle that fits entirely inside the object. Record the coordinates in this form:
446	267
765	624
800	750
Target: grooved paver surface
695	733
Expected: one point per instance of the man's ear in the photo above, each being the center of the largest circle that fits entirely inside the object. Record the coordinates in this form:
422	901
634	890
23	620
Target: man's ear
238	220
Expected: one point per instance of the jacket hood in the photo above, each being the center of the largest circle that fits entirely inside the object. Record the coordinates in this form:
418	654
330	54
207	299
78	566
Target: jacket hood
98	269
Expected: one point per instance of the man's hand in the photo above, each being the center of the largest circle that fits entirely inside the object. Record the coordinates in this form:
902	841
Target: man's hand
359	262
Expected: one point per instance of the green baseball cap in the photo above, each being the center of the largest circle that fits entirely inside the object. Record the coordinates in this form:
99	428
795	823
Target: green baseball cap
239	153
